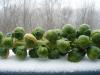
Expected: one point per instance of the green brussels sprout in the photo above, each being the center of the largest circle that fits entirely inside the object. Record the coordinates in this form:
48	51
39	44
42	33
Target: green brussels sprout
83	41
69	32
59	33
84	29
63	46
30	40
96	38
21	52
75	44
93	52
17	42
51	35
33	53
4	52
95	31
75	55
53	54
18	33
7	42
38	32
51	45
42	52
1	37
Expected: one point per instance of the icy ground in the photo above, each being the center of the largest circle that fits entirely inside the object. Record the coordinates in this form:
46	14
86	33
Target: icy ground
12	64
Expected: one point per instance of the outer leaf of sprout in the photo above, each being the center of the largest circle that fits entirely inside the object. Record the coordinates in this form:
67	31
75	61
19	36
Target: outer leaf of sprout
93	52
38	32
21	52
30	40
75	55
69	32
4	52
42	52
18	33
51	35
33	53
63	46
7	42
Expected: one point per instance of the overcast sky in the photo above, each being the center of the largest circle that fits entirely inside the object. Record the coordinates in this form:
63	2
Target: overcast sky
73	3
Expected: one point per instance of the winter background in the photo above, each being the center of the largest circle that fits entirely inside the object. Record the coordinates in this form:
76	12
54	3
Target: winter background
48	14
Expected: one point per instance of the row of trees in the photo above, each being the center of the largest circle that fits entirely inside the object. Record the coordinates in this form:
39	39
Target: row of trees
47	13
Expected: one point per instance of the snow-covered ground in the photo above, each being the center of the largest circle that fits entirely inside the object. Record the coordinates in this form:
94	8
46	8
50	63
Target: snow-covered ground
12	64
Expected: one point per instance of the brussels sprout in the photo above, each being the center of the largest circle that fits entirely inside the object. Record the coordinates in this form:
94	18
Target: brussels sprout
63	46
4	52
38	32
59	33
7	42
18	33
42	52
33	53
52	45
75	55
1	37
51	35
96	38
95	31
53	54
93	53
75	44
84	29
42	43
21	52
69	32
83	41
17	42
30	40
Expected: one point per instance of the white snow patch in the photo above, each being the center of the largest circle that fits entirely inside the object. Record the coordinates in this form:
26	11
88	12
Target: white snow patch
12	64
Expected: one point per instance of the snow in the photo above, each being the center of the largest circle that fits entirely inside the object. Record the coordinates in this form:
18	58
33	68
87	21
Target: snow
12	64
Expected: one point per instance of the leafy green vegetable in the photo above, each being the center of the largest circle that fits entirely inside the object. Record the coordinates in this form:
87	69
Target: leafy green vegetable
84	29
53	54
4	52
33	53
93	52
38	32
75	55
18	33
83	41
42	52
69	32
7	42
1	37
17	42
51	35
96	38
21	52
63	46
59	33
30	40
